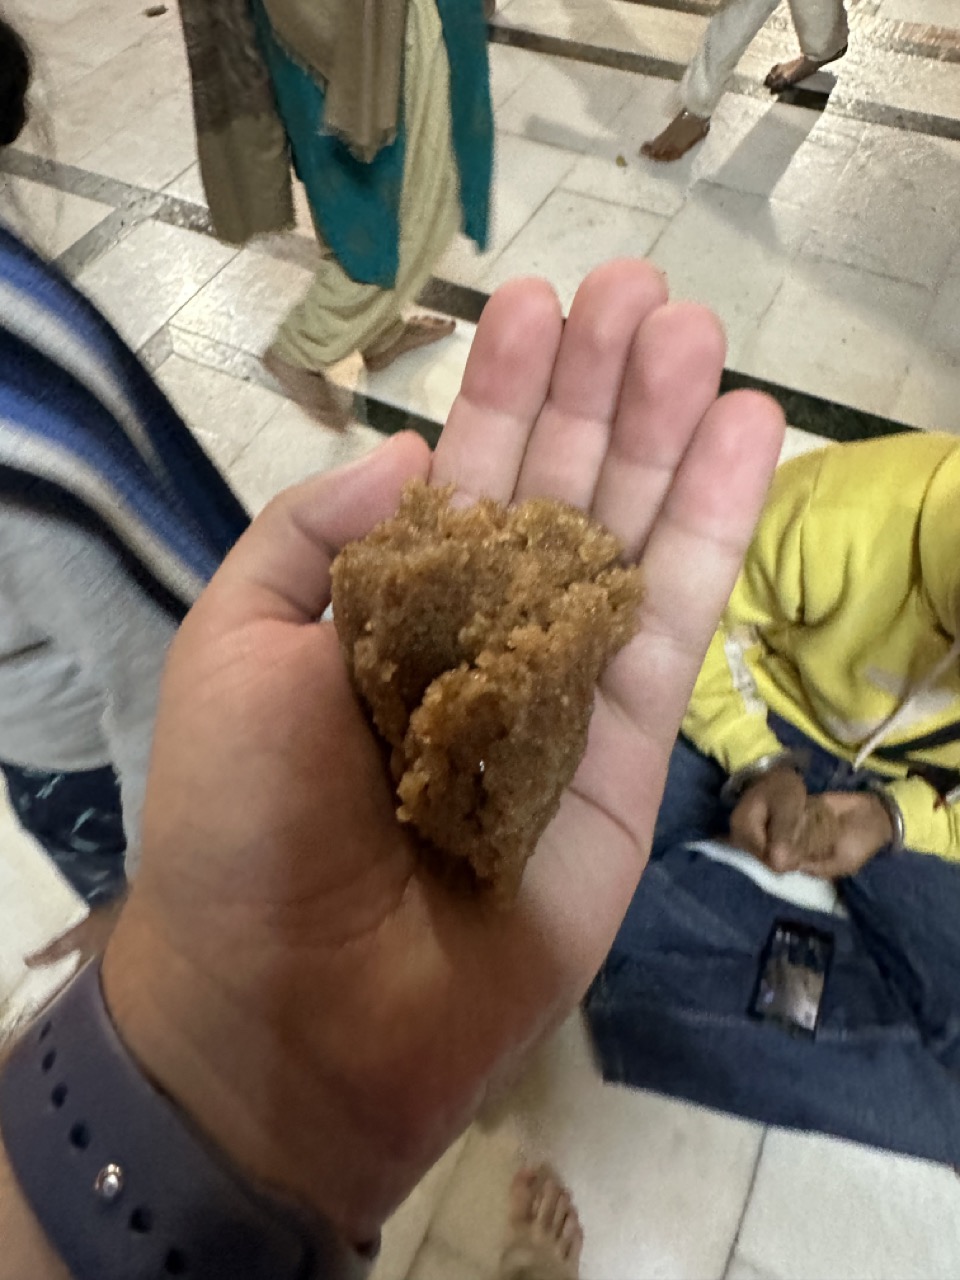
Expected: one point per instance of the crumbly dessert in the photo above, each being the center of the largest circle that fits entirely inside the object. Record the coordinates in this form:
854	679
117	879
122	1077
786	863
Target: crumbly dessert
476	638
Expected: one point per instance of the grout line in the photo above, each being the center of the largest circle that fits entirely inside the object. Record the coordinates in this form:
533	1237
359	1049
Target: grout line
746	1205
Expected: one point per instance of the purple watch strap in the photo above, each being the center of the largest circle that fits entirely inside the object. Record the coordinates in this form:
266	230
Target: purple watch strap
120	1182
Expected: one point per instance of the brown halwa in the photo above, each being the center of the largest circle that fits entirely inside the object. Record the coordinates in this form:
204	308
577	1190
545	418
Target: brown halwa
476	638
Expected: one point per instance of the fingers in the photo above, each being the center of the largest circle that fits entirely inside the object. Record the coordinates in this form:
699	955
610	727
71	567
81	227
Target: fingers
571	436
505	385
691	559
748	824
788	805
672	379
280	568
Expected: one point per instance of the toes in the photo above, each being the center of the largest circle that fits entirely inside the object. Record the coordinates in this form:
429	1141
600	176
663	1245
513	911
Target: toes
564	1206
548	1203
523	1194
571	1239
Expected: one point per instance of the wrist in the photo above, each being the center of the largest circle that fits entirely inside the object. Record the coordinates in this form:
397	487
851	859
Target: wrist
892	812
741	780
282	1121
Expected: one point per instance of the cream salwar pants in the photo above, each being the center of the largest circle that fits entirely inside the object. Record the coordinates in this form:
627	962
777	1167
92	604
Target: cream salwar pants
821	27
338	315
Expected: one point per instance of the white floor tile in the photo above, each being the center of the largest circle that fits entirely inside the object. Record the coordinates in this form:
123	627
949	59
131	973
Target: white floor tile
153	149
658	33
942	331
754	146
659	1185
895	208
95	107
614	170
471	1219
436	1261
95	32
930	395
527	172
427	381
509	68
731	251
941	13
49	219
911	83
858	332
570	19
224	413
740	1269
405	1233
780	151
836	1210
570	234
566	104
290	448
243	305
188	185
144	280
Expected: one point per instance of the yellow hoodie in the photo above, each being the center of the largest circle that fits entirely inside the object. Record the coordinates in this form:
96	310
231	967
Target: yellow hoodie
845	621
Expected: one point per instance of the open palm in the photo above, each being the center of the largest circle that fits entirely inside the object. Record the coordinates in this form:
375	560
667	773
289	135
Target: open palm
278	891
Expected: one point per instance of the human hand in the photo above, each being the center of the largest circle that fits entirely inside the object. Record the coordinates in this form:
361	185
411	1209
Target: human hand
862	829
769	819
329	1013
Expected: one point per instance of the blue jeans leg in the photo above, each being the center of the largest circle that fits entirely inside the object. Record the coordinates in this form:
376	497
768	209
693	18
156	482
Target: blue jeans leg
691	808
77	820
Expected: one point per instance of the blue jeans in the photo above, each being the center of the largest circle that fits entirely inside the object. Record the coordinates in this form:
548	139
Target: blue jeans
77	820
669	1009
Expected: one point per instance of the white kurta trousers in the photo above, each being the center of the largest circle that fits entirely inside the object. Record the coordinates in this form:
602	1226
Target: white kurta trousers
821	29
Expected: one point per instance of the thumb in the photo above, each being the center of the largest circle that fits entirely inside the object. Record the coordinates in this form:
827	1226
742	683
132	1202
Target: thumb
748	823
280	568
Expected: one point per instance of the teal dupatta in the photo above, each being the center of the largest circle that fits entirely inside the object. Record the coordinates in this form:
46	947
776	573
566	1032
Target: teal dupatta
356	206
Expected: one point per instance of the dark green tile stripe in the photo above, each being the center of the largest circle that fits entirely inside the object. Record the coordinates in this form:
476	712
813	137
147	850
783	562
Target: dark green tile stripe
69	178
581	51
811	413
699	8
106	234
386	418
916	39
802	96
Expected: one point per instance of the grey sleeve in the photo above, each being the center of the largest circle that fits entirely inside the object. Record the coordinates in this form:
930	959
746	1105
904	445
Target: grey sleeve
73	588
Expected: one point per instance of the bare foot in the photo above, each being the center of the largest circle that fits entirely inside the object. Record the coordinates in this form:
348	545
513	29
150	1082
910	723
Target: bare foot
331	406
545	1233
421	331
786	74
682	133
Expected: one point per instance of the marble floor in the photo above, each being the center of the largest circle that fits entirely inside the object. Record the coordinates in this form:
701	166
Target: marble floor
822	229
